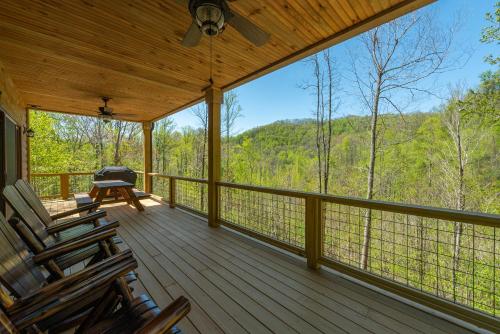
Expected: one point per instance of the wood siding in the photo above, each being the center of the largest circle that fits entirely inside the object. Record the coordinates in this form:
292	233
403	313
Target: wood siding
13	105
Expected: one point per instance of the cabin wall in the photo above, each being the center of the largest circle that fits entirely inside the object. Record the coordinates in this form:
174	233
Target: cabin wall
12	104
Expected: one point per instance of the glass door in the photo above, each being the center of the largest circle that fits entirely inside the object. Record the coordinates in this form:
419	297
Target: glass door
10	154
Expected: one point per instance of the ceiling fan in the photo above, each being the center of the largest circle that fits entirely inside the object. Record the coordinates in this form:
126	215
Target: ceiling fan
210	18
106	113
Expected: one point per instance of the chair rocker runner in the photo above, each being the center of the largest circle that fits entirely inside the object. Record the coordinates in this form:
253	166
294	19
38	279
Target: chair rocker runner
46	244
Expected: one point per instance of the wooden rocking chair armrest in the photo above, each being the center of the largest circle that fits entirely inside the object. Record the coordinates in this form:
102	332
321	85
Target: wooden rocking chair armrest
58	250
47	302
168	317
95	230
101	269
90	218
75	211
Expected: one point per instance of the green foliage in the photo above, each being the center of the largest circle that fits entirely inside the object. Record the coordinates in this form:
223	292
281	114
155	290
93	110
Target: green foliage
64	143
50	153
414	160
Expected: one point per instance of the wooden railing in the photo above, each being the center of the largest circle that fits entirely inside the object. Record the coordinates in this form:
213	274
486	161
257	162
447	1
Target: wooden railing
185	192
60	185
63	185
412	249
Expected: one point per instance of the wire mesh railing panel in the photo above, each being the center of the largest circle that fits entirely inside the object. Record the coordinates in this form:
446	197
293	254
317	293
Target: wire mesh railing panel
46	186
274	216
80	183
192	195
456	261
161	187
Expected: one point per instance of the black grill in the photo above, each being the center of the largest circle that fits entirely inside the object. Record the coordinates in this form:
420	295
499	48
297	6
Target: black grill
116	173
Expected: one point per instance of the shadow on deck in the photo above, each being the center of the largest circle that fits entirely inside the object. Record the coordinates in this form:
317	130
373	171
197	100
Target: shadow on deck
237	285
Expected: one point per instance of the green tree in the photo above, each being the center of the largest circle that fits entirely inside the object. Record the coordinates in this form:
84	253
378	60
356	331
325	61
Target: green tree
491	34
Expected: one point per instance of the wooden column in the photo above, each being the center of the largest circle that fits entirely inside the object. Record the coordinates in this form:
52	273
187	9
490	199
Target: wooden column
28	147
313	231
171	192
213	98
147	129
64	184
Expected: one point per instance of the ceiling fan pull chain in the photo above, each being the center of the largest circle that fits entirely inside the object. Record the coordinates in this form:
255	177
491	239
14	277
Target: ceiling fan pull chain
211	61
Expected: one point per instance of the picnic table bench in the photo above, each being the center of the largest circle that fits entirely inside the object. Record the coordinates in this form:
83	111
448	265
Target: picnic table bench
120	190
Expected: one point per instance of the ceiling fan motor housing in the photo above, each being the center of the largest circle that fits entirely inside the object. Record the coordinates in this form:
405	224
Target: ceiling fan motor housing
209	15
105	110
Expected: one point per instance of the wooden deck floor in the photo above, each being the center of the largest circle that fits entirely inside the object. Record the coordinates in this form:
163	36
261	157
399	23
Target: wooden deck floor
237	285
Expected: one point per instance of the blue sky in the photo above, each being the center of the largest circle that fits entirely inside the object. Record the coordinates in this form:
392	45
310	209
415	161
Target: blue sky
278	95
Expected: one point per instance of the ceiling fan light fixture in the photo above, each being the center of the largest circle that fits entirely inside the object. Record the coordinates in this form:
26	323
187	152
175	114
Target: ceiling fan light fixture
210	19
105	118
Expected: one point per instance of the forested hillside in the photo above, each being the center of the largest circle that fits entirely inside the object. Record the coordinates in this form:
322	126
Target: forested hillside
446	158
416	164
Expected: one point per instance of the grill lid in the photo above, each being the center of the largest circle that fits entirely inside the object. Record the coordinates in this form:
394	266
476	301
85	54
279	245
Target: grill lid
116	173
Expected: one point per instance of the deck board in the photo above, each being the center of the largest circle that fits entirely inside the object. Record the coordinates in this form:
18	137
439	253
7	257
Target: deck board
238	285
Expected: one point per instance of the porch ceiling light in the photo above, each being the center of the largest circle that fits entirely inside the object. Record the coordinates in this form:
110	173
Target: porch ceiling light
210	18
29	132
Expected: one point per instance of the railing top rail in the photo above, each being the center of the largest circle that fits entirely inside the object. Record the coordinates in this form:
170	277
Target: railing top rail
57	174
158	174
477	218
182	178
190	179
268	190
75	173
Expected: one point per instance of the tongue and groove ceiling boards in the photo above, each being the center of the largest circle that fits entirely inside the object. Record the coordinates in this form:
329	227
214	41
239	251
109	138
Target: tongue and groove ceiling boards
64	54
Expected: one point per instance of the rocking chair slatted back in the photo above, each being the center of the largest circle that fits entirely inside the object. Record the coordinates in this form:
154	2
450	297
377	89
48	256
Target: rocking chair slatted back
29	195
17	202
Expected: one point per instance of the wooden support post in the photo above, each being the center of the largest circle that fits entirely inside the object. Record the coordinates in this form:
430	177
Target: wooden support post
64	184
314	218
147	129
171	192
213	98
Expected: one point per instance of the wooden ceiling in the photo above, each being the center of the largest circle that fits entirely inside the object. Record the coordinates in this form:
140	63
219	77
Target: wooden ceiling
64	54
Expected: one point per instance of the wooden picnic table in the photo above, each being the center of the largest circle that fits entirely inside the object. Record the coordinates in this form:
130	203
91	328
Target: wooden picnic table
102	189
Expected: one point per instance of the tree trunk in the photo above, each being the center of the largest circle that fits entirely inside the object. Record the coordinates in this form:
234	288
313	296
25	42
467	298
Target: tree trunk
203	157
228	175
318	87
119	136
371	173
99	146
458	231
330	126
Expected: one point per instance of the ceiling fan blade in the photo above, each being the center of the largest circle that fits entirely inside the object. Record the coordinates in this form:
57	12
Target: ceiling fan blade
122	114
192	36
249	30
